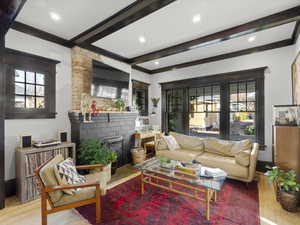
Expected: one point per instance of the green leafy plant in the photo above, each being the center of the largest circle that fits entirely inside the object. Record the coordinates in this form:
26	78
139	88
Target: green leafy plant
120	104
155	102
250	130
285	180
94	151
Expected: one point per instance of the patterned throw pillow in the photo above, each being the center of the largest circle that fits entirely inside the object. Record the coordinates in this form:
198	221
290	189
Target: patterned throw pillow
66	173
171	142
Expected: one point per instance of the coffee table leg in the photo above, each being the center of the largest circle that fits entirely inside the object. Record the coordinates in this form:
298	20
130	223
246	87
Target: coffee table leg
215	196
207	204
142	183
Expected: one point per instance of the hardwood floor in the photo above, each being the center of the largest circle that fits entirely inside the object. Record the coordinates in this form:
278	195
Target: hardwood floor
271	212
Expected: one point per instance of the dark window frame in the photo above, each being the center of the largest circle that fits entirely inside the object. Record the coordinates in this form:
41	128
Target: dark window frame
17	60
224	81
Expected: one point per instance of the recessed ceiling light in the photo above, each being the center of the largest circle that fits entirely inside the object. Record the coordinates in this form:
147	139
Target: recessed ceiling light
196	18
142	39
156	63
54	16
250	39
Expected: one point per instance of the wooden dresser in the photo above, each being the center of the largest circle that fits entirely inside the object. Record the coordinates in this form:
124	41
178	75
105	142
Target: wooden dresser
287	148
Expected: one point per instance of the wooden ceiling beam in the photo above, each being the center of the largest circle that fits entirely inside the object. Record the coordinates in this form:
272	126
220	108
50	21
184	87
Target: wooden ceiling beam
60	41
296	32
248	51
264	23
119	20
9	9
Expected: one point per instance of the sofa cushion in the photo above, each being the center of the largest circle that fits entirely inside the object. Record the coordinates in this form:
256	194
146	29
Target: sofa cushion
183	155
189	142
48	177
241	146
243	158
171	142
227	164
217	146
82	194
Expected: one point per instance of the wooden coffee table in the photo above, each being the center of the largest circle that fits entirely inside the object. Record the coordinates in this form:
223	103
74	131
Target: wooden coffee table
170	179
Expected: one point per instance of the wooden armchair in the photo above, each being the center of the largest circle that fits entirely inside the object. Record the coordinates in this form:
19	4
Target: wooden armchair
50	190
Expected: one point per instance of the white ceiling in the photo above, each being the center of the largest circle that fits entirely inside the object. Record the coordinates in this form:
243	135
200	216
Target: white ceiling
262	38
76	15
173	23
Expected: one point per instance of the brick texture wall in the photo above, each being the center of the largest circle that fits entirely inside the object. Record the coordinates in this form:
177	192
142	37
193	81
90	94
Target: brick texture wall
82	67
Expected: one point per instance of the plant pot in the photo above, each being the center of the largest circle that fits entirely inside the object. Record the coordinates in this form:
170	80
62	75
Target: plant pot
114	167
289	200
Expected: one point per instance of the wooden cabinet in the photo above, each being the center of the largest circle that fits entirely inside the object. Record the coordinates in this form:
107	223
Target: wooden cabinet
287	148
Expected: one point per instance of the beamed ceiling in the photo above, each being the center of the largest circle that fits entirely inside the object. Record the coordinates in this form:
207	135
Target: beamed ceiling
175	33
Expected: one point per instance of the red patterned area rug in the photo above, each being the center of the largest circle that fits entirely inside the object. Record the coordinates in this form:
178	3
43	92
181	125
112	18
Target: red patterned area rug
123	205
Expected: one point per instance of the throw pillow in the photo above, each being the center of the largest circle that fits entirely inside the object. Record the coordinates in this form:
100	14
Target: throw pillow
171	142
161	145
66	173
243	158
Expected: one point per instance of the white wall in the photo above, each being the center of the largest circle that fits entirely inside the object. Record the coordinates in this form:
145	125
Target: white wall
39	128
277	82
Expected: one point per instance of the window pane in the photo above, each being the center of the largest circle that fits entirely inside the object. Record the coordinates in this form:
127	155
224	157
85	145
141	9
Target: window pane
200	95
204	124
40	103
234	107
30	102
216	99
30	77
192	104
30	89
201	108
233	92
242	91
208	94
20	101
169	101
251	91
177	100
19	88
242	126
19	76
40	78
251	106
175	122
242	106
40	90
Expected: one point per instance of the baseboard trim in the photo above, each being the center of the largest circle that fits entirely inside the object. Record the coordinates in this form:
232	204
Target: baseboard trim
10	188
261	165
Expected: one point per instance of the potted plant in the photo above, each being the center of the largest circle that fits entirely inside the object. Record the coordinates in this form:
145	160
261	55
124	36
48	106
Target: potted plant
114	163
155	102
120	104
287	187
94	151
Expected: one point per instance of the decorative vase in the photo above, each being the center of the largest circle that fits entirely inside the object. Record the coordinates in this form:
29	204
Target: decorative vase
289	200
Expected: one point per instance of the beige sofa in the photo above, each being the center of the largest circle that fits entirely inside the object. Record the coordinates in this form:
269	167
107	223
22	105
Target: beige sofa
237	158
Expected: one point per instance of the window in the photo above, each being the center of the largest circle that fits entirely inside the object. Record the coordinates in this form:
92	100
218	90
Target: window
29	90
204	110
30	86
228	106
242	110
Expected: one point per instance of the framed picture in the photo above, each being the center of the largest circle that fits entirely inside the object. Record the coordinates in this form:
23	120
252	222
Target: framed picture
286	115
296	80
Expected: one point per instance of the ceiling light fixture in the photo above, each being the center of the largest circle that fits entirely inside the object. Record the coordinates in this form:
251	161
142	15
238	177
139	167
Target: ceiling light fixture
156	63
251	39
142	39
54	16
196	18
